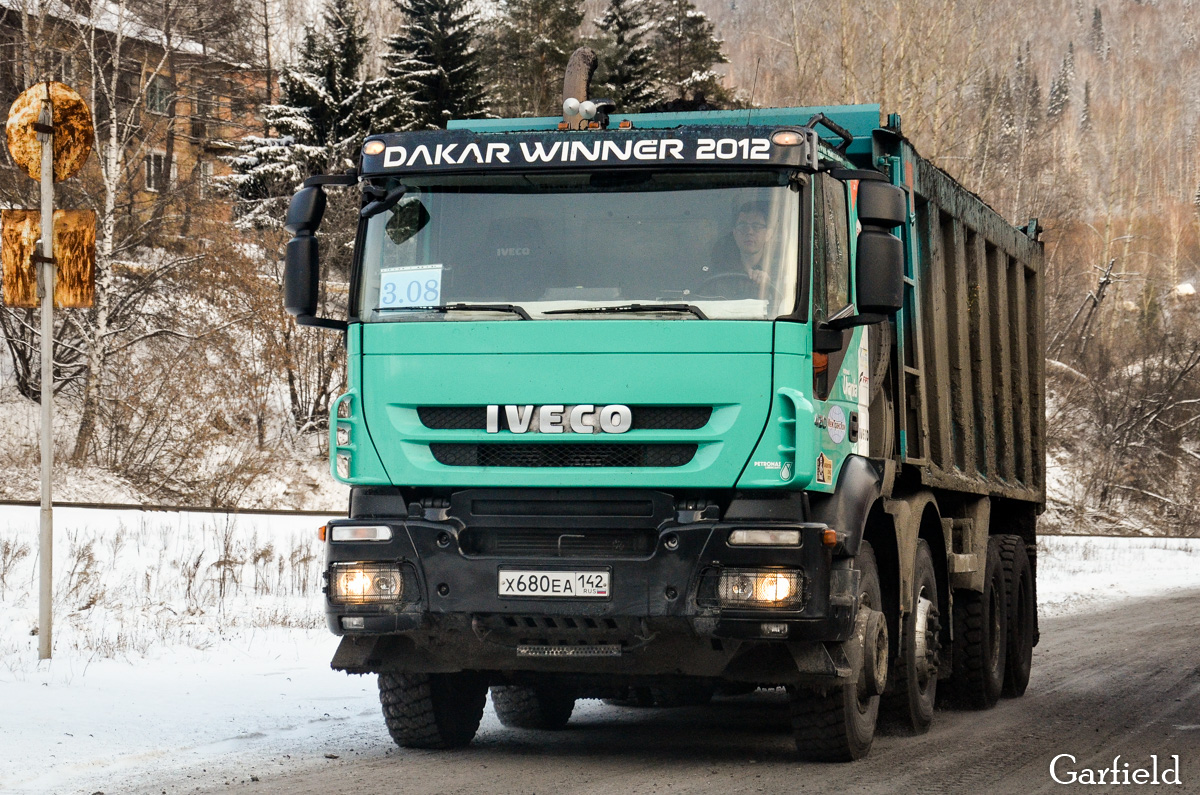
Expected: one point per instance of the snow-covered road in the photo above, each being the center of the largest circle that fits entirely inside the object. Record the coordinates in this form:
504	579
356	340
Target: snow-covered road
238	684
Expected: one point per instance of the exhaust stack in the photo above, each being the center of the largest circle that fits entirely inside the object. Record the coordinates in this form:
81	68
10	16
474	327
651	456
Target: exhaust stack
580	112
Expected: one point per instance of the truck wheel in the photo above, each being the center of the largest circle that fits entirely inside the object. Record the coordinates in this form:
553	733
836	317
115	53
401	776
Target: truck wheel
685	695
1020	605
980	636
432	710
536	707
838	725
910	707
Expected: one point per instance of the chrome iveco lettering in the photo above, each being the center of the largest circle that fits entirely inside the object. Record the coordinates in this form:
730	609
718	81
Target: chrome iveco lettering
559	418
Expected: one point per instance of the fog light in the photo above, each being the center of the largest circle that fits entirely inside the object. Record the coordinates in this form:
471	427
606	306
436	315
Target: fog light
373	148
774	630
353	622
365	583
765	538
343	435
760	588
373	533
343	466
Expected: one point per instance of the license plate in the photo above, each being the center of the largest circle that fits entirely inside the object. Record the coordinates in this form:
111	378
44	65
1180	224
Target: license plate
554	584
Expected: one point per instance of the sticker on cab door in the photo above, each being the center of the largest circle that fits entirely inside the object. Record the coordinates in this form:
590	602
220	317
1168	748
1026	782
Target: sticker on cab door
836	424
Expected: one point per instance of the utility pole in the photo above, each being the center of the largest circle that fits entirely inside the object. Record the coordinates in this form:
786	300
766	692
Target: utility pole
45	134
50	134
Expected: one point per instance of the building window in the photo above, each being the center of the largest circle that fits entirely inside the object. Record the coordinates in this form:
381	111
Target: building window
205	175
158	176
159	93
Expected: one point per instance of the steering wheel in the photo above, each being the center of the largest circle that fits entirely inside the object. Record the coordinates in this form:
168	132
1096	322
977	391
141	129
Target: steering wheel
742	285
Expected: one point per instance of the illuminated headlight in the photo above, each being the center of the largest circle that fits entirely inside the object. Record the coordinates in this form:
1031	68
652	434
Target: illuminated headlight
372	533
343	466
365	583
343	435
765	538
760	588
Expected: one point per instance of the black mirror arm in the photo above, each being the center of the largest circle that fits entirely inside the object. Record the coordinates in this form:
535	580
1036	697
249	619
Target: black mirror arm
322	322
384	204
349	178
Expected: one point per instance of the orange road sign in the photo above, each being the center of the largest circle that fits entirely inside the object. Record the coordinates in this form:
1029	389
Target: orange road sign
74	256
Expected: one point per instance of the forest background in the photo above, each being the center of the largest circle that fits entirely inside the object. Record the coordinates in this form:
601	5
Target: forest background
187	384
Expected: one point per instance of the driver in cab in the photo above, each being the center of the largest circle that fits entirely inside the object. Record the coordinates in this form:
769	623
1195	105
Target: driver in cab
738	268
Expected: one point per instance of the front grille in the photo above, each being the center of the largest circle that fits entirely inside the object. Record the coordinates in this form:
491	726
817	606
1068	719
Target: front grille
562	455
453	418
644	418
514	542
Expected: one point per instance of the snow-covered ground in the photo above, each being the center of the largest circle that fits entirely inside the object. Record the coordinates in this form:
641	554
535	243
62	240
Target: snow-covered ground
190	649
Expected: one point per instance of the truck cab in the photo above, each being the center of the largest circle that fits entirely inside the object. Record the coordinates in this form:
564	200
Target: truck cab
627	417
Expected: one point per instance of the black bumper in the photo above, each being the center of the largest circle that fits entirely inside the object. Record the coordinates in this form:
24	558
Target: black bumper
661	603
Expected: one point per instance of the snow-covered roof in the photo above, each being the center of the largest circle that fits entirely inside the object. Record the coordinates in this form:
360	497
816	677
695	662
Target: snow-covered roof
107	16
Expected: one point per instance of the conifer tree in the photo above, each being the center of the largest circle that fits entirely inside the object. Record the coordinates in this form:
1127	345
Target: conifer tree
1096	38
432	68
685	50
320	119
626	71
533	40
1060	88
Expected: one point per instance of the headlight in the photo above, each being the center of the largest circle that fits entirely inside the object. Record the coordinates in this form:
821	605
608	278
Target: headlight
365	583
760	588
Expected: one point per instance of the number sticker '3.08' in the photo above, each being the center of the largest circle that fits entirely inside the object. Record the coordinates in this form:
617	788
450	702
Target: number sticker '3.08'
412	285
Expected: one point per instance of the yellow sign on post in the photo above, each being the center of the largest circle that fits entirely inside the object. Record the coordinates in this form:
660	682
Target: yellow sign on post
73	130
74	254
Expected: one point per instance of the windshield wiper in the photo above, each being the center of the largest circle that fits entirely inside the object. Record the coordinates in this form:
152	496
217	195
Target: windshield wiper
516	310
695	310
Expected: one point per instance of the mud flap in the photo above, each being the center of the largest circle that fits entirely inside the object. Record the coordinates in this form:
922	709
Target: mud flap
354	655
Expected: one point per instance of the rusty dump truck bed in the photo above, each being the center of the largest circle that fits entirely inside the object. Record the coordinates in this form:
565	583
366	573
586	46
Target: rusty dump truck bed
971	408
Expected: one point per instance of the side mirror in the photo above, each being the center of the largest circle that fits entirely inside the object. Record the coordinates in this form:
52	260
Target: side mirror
301	280
880	262
305	211
880	282
301	271
881	204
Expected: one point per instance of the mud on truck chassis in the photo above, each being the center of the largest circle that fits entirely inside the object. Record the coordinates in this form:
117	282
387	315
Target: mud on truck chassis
601	445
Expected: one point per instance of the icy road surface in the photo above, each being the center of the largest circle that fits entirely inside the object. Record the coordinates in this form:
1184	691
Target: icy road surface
165	682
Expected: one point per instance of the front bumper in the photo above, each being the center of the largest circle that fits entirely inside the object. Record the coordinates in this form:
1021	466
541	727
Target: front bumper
660	616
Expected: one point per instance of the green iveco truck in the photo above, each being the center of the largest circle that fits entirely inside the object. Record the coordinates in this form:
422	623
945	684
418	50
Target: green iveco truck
651	407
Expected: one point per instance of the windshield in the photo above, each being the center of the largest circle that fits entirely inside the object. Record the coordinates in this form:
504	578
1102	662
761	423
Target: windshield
723	243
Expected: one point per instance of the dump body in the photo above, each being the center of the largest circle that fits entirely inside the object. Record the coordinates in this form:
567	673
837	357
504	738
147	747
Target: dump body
974	391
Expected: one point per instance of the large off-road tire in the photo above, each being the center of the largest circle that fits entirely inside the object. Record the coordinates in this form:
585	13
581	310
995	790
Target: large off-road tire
838	725
432	710
980	637
691	694
909	708
1021	608
533	707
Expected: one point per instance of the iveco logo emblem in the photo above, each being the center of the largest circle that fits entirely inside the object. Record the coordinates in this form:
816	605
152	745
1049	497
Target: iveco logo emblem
512	252
583	418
